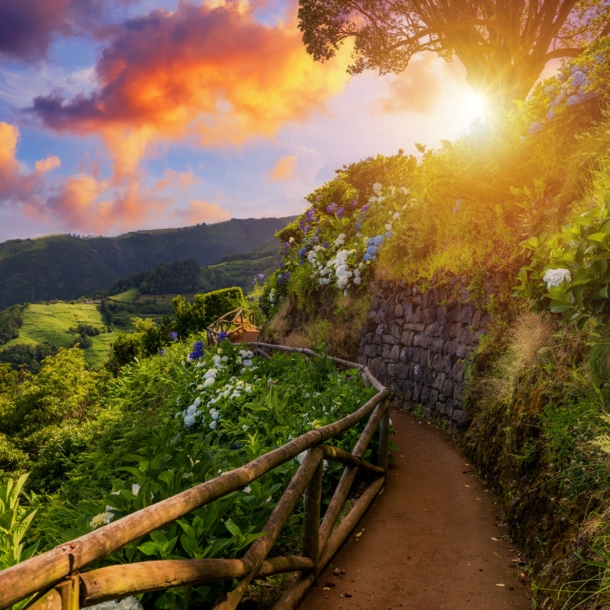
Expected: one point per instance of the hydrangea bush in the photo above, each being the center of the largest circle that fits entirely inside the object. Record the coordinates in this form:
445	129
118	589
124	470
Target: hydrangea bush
224	408
580	87
568	273
332	248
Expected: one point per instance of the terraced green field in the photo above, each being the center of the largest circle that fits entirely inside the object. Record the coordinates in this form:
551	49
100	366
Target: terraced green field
51	322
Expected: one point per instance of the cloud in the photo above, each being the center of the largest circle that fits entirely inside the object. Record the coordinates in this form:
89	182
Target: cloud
417	89
16	184
47	165
212	73
84	202
202	211
28	27
285	168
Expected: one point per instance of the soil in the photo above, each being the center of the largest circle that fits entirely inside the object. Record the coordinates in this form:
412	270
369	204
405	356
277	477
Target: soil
431	540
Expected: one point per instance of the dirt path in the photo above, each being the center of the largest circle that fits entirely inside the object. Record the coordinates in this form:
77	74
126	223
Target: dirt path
427	542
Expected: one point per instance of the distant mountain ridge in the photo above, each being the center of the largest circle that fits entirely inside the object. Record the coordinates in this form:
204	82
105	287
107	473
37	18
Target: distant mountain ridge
66	267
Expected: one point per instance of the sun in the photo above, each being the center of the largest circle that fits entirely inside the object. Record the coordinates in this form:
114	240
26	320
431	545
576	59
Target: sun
476	106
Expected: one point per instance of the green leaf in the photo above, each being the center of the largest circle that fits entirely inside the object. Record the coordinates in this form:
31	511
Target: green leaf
233	528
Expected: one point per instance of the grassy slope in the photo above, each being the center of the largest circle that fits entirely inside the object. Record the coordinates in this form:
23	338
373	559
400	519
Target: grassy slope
65	267
42	323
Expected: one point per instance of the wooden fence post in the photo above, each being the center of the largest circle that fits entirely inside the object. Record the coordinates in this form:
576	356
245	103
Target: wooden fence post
311	519
384	438
69	590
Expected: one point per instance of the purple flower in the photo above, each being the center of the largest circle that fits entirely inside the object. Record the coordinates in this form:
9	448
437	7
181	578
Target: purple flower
260	298
287	275
310	213
162	352
198	351
307	228
365	208
369	159
251	299
535	128
222	336
280	265
260	277
332	208
325	244
357	226
280	279
340	212
173	336
353	203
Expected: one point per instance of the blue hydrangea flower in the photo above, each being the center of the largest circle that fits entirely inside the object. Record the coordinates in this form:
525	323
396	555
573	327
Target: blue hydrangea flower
578	78
287	275
198	351
222	336
332	208
340	212
173	336
251	299
325	244
260	277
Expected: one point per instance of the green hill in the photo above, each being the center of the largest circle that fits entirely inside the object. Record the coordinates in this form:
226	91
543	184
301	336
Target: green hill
67	267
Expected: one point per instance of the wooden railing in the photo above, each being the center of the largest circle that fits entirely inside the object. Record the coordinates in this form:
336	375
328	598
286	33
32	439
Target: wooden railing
233	322
58	581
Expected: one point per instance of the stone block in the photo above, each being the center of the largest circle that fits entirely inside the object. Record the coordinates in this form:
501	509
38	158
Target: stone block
390	340
439	381
460	416
370	351
398	311
425	395
465	316
476	319
447	388
407	336
395	331
416	393
458	390
457	372
428	377
377	339
456	327
437	345
441	316
395	353
408	312
462	351
416	327
404	354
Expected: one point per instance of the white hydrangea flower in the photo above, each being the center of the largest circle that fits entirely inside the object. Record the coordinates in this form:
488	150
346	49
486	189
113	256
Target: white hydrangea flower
299	458
208	382
244	427
377	188
135	489
247	489
101	519
396	215
213	424
247	363
555	277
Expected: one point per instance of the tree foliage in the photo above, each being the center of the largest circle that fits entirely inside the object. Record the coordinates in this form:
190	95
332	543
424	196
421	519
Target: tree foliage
504	44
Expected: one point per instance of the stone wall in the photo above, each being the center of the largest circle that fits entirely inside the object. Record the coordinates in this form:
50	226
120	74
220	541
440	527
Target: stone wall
417	344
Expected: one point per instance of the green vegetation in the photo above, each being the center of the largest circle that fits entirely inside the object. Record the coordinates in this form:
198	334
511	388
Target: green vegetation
180	276
165	424
50	324
67	267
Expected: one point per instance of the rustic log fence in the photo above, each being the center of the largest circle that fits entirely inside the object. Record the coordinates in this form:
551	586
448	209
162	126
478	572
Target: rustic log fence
233	322
56	578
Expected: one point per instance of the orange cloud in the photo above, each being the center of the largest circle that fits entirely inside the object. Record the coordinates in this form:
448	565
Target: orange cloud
173	178
47	165
285	168
209	72
202	211
417	89
84	202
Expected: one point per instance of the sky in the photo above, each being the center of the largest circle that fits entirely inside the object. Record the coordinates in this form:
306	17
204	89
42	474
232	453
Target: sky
118	115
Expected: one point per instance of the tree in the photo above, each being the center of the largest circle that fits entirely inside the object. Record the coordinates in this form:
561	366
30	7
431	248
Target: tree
504	44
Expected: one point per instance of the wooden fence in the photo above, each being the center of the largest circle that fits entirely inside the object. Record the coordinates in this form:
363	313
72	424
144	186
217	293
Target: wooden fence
58	582
236	321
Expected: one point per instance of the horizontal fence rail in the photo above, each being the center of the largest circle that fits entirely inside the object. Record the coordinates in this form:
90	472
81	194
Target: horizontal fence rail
58	582
233	322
